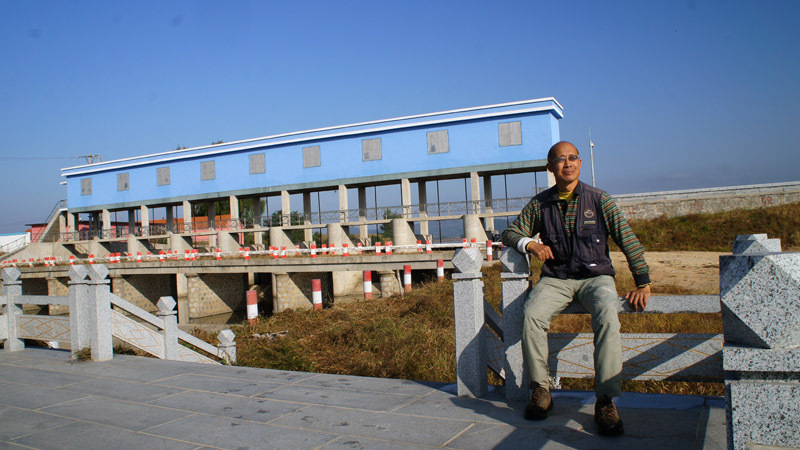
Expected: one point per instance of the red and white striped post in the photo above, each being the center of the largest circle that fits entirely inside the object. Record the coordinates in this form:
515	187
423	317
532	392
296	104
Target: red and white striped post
407	278
377	248
489	251
473	242
247	253
161	256
138	257
464	242
324	249
252	307
274	251
419	246
91	258
359	245
195	254
428	248
283	252
187	255
367	284
345	250
219	254
149	256
313	250
389	247
71	260
316	293
440	269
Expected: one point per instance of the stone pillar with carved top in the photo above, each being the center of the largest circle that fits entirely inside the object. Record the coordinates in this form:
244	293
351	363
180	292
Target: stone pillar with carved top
167	313
12	286
471	355
515	291
79	308
100	320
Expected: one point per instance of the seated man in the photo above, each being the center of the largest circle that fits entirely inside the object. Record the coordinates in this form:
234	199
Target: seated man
574	221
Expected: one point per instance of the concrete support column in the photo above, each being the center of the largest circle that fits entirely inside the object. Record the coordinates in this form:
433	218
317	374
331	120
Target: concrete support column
343	207
423	206
105	219
182	294
258	236
473	228
515	291
62	224
132	222
308	232
469	323
286	208
475	191
403	234
337	236
72	222
170	219
187	217
363	232
144	213
405	197
234	207
211	207
389	284
487	205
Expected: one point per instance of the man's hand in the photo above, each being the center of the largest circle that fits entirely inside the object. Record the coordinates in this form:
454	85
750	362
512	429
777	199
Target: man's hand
540	251
638	297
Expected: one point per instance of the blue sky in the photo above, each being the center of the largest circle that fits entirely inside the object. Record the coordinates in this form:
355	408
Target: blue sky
678	94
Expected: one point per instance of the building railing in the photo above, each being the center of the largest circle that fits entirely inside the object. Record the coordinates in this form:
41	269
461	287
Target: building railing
96	316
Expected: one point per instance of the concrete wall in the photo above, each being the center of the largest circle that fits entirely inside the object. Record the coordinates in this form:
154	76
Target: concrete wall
651	205
144	290
211	294
293	291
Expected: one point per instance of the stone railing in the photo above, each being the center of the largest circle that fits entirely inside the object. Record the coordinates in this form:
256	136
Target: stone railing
760	360
96	316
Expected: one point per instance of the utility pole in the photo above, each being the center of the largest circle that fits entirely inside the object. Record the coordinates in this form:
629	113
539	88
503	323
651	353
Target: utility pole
591	154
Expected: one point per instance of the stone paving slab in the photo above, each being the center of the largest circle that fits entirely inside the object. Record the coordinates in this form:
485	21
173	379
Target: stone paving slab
48	401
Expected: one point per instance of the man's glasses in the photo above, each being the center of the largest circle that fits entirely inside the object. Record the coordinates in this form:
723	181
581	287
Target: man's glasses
563	159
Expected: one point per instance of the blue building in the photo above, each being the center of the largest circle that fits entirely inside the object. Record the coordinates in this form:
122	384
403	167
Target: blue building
472	143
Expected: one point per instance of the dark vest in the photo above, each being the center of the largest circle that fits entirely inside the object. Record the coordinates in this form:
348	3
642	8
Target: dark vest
585	254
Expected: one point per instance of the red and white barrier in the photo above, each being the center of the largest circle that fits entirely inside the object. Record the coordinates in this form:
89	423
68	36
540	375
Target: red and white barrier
440	270
252	307
489	251
464	242
161	256
71	260
389	247
149	256
428	248
313	250
283	252
473	242
407	278
359	245
138	257
345	250
195	254
187	255
378	247
419	246
247	253
91	259
219	254
274	251
316	293
324	249
368	284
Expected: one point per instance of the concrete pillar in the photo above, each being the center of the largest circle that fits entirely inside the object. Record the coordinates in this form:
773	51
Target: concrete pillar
211	207
144	213
308	232
475	191
363	232
487	197
182	294
132	222
187	217
62	224
515	291
423	206
258	236
389	284
72	222
234	207
471	355
134	246
170	219
337	236
279	238
179	243
226	242
105	219
403	234
405	197
343	207
286	208
473	228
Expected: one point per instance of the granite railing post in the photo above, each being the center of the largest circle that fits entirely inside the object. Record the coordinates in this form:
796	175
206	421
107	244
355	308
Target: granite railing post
226	346
515	291
471	355
100	320
760	302
12	286
79	316
166	311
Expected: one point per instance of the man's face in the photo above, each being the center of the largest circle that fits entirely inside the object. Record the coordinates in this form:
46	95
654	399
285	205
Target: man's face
565	164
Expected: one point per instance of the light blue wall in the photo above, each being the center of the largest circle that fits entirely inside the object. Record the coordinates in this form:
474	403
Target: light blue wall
473	141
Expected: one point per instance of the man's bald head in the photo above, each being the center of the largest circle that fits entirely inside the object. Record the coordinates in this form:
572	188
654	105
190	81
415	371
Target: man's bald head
559	145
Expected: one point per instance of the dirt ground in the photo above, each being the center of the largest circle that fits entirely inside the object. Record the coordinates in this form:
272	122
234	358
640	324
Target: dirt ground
690	270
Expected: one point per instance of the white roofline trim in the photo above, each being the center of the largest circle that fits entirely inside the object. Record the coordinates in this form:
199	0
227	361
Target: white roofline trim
92	168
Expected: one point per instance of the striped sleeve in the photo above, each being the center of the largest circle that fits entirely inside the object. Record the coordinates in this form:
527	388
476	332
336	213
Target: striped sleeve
623	236
524	227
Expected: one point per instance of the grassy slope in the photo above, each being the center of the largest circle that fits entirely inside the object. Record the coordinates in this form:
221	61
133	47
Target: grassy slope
412	337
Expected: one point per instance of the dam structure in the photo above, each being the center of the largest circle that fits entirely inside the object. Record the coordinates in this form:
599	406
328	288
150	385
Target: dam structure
214	200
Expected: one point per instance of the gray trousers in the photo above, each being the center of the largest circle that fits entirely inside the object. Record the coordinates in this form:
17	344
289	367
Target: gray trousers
599	297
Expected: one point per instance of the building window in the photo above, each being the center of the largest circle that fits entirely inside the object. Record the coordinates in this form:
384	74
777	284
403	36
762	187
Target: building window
208	170
371	149
311	156
86	186
122	181
438	142
509	133
258	163
162	176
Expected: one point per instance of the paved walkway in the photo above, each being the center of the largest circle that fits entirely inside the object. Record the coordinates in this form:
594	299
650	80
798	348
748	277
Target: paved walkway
48	401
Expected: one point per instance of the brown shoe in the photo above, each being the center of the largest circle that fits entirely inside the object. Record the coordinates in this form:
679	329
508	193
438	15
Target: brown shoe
541	403
606	417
